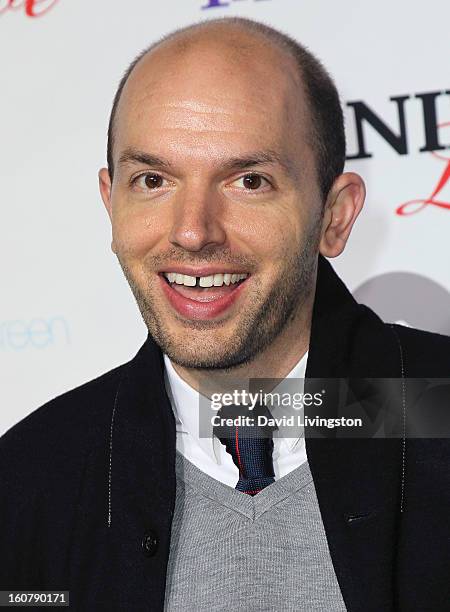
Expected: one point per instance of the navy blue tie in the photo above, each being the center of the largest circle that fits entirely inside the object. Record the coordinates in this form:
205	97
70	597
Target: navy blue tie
250	447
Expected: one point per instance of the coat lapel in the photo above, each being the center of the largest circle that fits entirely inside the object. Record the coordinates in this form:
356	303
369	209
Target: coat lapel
357	480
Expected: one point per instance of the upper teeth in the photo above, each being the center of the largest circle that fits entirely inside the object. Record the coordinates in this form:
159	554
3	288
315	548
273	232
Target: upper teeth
216	280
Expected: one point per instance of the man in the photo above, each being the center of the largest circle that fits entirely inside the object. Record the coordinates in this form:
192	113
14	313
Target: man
226	192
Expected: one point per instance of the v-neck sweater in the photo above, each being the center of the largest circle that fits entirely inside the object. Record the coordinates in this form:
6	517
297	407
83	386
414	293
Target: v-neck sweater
232	551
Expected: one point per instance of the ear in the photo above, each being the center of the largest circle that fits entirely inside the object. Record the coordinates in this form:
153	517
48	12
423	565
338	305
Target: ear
344	203
104	182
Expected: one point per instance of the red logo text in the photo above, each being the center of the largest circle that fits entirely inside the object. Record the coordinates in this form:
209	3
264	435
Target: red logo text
32	8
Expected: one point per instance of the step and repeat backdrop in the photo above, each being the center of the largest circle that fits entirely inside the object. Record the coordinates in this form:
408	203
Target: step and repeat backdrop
66	312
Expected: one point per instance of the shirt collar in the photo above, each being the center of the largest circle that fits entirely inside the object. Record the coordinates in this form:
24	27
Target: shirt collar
185	405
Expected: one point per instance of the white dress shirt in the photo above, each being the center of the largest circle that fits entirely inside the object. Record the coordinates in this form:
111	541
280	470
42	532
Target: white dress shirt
208	453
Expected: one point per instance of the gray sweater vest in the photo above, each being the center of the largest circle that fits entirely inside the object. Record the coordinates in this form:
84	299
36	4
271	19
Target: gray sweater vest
230	551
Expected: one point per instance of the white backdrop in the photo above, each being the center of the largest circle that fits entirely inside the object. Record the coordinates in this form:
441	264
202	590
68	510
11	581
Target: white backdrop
66	312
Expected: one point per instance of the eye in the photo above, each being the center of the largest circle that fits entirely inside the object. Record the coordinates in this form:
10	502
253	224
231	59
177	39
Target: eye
149	180
252	182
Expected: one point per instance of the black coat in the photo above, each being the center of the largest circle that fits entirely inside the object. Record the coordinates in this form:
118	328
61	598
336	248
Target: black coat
88	480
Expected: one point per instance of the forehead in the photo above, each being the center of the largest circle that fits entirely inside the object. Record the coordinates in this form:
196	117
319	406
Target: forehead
233	91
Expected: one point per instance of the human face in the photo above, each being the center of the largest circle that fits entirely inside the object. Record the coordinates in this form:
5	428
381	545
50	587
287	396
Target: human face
213	175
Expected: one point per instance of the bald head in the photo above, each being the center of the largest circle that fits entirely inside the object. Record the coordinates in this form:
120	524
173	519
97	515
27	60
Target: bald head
246	58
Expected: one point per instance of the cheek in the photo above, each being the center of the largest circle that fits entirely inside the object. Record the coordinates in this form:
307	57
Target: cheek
136	232
270	234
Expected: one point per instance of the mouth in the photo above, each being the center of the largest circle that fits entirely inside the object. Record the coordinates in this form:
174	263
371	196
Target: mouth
202	297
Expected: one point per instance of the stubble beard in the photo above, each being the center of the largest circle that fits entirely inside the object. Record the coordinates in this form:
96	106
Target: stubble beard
266	317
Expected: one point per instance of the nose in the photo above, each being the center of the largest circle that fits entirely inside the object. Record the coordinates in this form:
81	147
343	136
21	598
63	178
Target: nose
197	220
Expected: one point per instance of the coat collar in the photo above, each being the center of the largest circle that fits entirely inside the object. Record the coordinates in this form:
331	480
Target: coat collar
356	480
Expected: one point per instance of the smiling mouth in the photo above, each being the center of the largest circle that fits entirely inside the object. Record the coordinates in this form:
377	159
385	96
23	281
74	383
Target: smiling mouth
205	282
204	288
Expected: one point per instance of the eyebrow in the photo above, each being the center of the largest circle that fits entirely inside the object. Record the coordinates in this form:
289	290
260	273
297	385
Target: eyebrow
133	156
260	158
250	160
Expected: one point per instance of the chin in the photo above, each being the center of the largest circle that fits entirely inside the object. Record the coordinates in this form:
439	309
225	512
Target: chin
200	359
